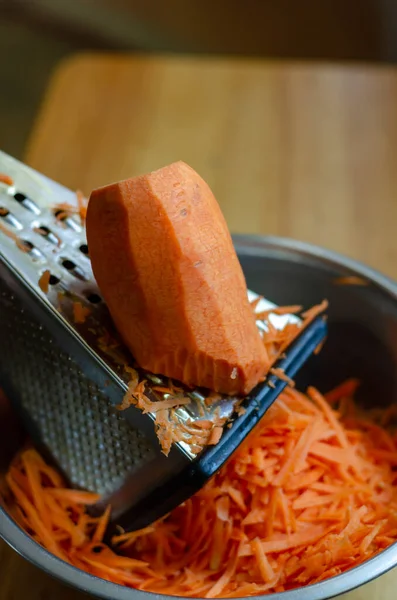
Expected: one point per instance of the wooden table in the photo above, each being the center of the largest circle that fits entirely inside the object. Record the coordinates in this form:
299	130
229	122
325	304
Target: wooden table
306	151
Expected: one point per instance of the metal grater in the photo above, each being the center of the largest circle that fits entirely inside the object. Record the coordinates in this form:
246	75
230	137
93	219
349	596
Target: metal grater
66	386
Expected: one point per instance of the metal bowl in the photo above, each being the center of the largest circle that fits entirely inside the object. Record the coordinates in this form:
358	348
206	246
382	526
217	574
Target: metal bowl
362	343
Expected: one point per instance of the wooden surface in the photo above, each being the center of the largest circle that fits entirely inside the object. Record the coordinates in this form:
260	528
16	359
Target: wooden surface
303	151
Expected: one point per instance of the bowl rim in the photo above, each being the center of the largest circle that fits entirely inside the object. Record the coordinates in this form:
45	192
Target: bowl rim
26	547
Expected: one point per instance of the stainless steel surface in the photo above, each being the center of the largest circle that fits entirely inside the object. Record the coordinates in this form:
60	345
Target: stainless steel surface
362	325
58	372
89	439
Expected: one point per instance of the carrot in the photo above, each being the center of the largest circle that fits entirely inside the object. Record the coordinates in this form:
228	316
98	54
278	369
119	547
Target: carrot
64	209
6	179
265	569
350	280
165	263
73	497
278	310
309	494
346	390
80	312
278	372
154	407
44	281
101	526
8	233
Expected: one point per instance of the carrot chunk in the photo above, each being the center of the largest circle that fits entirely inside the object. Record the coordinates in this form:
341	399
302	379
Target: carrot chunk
164	260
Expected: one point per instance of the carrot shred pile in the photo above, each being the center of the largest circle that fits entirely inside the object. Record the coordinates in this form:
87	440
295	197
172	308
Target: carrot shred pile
202	432
6	179
311	493
276	340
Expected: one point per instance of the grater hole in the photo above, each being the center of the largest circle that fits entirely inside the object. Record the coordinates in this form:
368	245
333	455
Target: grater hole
60	214
93	298
74	269
54	280
27	203
9	218
29	248
49	235
68	264
84	249
63	216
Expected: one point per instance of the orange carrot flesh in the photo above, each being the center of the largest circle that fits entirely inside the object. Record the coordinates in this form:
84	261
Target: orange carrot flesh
6	179
65	209
169	430
82	205
165	263
80	312
44	281
308	495
350	280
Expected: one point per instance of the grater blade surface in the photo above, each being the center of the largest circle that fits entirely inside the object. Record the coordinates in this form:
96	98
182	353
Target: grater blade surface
66	384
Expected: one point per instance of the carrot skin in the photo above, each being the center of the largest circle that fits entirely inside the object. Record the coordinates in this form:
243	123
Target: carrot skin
164	260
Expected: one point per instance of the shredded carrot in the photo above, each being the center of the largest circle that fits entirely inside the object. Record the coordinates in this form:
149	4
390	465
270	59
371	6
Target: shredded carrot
277	341
102	525
215	436
82	205
6	179
42	231
80	312
319	347
8	232
72	497
346	390
167	426
61	215
44	281
309	494
278	310
212	398
350	280
154	407
254	303
64	209
281	375
23	245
